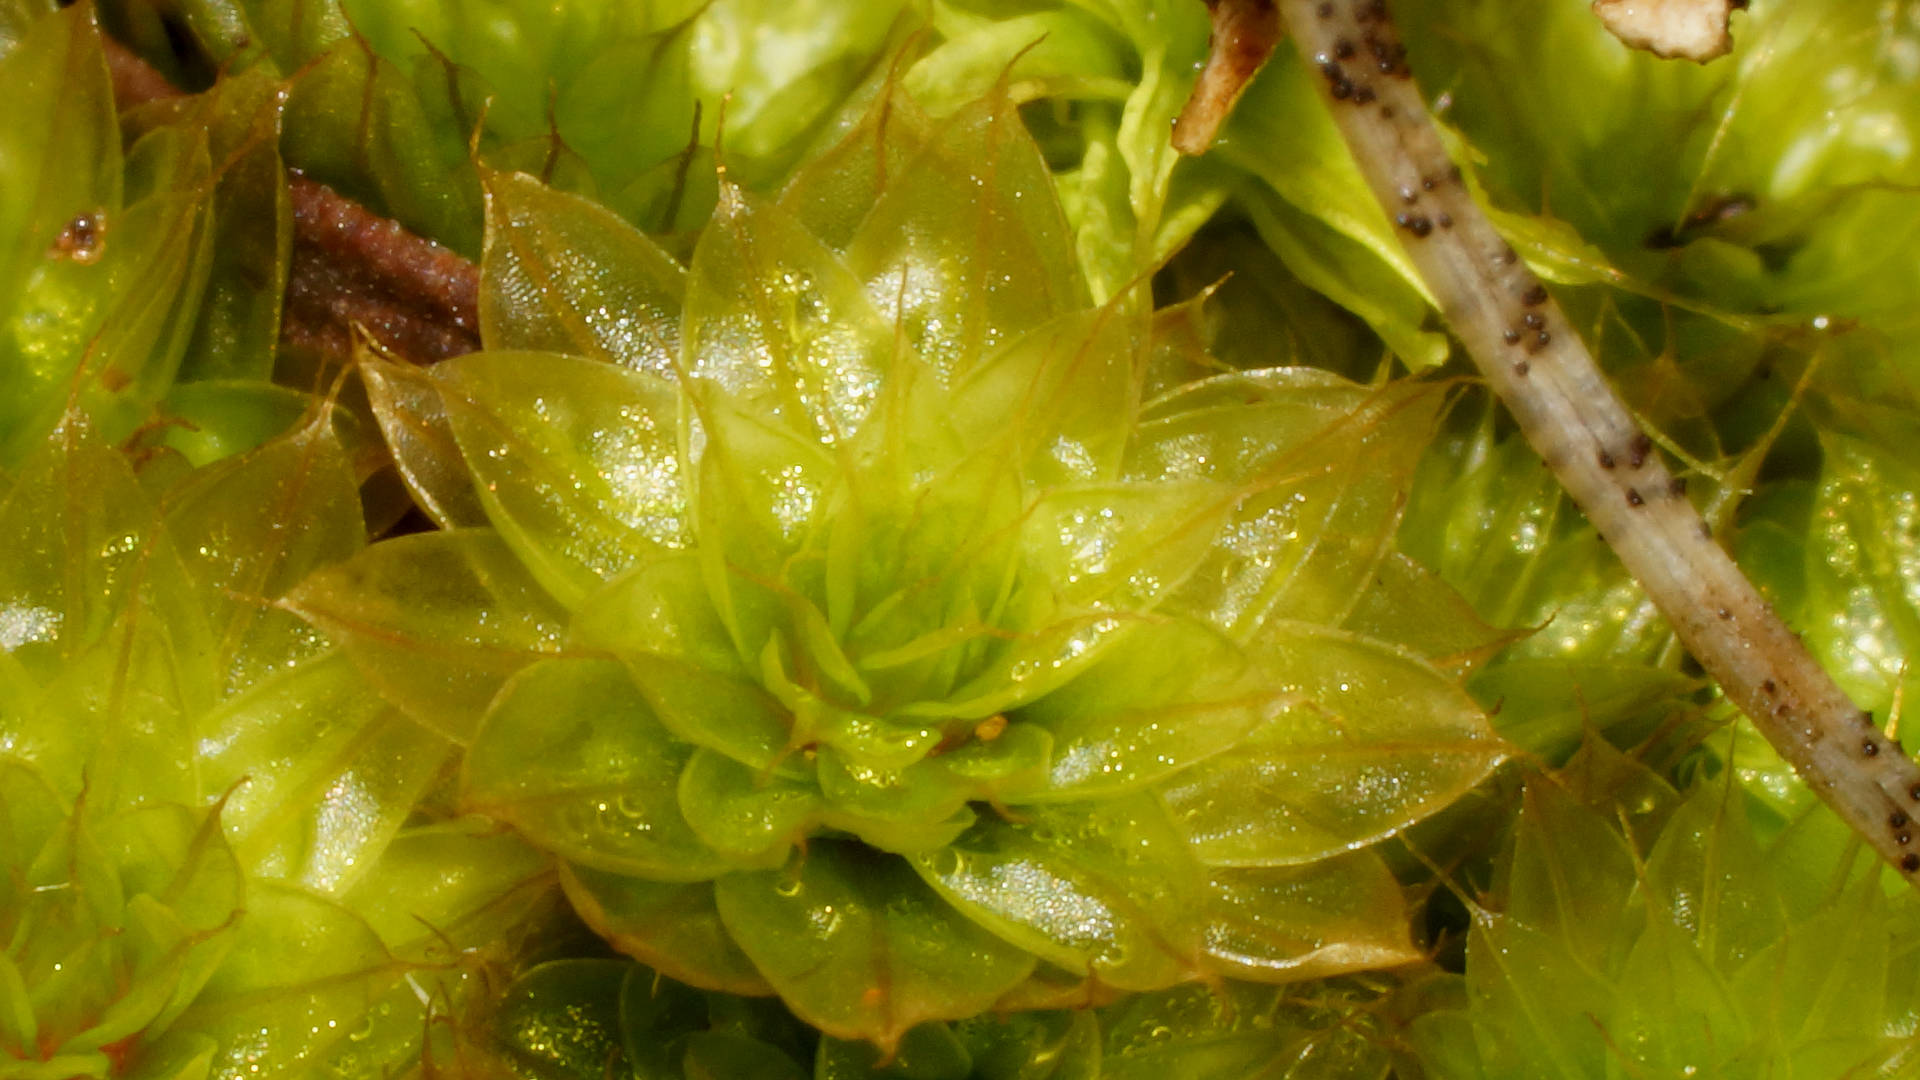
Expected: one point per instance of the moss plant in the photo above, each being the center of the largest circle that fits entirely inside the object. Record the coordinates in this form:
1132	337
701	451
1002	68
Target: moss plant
871	621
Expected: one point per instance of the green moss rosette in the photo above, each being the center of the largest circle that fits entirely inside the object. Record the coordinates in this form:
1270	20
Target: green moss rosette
218	849
1634	929
863	618
112	924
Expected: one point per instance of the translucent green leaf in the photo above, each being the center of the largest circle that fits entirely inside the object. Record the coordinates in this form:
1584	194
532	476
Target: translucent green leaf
1675	1009
1568	872
16	16
1056	399
111	325
185	889
1281	923
762	491
1108	889
1545	1000
1412	605
253	527
967	249
1825	981
576	462
673	927
301	977
833	190
932	793
1324	465
563	275
858	947
571	755
439	888
776	322
1376	740
413	419
106	639
660	608
1069	51
1706	875
751	817
77	526
1547	704
1861	582
784	65
436	621
323	772
1162	697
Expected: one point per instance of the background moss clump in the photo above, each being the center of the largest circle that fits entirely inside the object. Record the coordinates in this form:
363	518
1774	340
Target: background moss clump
919	580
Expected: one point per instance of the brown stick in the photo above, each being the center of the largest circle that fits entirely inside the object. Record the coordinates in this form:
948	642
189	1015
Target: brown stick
349	266
1541	370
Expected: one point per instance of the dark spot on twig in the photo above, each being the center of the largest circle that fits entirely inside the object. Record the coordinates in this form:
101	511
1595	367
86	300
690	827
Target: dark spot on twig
1606	459
1869	748
1639	448
1534	296
1634	499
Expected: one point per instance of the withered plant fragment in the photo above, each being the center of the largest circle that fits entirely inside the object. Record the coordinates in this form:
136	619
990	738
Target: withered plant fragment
1244	35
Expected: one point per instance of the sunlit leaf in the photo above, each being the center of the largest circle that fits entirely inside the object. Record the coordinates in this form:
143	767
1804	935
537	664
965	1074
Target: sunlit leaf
1373	741
1107	888
561	274
950	251
575	462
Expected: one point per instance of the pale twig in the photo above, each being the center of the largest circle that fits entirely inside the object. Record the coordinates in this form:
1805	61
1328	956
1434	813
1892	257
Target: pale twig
1537	364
